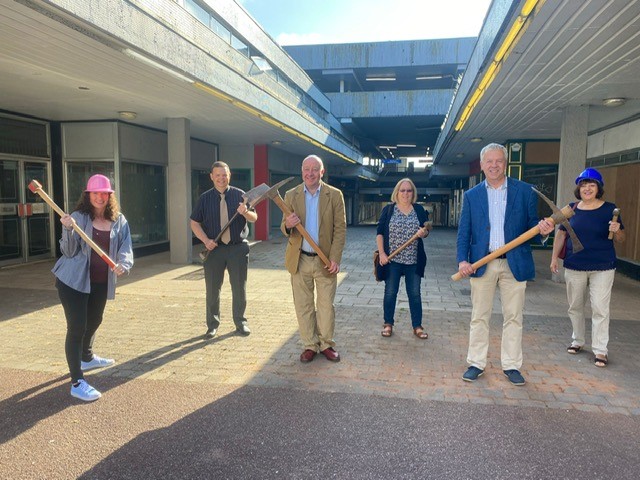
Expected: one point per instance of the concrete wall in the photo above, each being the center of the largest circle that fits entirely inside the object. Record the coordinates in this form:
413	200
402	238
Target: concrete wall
614	140
391	103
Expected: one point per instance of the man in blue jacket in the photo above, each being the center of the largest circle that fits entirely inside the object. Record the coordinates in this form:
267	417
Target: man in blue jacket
495	212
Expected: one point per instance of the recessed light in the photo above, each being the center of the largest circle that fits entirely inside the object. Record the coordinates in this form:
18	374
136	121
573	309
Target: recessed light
475	139
127	115
276	142
460	155
614	102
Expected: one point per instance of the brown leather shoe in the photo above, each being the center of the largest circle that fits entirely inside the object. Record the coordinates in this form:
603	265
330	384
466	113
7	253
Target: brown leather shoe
331	354
307	356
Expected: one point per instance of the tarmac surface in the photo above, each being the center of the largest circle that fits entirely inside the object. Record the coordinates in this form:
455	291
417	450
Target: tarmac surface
178	406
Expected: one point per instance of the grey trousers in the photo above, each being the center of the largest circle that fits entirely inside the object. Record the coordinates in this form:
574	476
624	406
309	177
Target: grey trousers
235	260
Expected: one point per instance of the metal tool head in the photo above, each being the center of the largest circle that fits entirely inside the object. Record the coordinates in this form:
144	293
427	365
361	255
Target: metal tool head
561	217
273	191
255	195
616	212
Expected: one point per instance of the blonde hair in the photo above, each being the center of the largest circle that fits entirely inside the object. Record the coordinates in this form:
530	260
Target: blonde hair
394	194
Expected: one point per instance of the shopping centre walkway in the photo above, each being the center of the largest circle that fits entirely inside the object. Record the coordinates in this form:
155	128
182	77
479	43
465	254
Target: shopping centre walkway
226	393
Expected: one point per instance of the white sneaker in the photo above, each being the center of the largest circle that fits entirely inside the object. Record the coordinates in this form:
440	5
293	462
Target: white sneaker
96	362
85	392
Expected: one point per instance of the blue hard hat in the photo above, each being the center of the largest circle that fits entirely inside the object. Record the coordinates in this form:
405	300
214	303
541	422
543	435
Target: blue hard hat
590	174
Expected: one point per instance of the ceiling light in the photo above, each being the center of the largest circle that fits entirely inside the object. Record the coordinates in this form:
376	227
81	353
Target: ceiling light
138	56
381	78
276	142
429	77
127	115
459	155
407	145
475	139
614	102
388	147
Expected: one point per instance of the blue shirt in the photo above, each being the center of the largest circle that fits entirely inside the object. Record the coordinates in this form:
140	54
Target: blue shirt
497	207
312	217
592	229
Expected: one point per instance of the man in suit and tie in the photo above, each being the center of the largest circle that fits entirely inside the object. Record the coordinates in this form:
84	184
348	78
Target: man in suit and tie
495	212
319	207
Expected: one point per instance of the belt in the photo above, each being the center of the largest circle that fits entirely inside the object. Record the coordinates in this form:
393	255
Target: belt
503	256
309	254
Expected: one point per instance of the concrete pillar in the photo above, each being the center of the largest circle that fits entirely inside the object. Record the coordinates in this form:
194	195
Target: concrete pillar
179	186
573	155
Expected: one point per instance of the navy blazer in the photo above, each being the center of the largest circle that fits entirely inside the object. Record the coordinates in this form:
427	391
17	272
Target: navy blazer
520	216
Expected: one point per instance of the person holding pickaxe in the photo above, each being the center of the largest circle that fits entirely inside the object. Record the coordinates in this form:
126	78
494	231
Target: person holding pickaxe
210	222
494	213
86	275
314	221
589	271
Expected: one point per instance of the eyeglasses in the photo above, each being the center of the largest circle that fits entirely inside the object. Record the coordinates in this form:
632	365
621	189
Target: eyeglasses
406	191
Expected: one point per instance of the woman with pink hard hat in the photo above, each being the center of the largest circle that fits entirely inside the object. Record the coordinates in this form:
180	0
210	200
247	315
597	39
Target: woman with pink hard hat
85	282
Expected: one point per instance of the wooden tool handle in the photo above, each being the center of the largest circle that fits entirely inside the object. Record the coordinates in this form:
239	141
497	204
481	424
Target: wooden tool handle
316	248
616	213
408	242
35	187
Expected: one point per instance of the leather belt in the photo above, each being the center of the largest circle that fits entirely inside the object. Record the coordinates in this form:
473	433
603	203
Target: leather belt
503	256
309	254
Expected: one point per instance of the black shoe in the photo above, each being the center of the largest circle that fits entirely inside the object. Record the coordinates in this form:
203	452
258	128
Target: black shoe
211	333
243	330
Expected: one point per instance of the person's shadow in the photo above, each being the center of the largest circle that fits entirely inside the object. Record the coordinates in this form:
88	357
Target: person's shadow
26	408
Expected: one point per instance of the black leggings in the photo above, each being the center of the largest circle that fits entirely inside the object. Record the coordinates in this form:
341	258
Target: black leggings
83	312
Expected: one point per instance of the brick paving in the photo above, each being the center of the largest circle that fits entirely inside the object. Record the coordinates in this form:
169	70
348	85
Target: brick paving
154	329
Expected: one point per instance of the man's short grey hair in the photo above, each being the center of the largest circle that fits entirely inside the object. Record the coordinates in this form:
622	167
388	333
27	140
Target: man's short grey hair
494	146
316	158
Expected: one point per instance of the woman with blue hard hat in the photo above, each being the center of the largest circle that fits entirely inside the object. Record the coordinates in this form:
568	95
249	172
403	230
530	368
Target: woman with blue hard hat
85	282
589	273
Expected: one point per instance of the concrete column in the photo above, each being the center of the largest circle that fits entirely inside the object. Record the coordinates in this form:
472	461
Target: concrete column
573	155
179	183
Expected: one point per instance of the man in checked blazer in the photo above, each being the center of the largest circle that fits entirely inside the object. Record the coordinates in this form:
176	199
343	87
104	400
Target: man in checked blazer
319	207
494	212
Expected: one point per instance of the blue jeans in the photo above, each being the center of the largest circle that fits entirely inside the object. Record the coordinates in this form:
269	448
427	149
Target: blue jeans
391	287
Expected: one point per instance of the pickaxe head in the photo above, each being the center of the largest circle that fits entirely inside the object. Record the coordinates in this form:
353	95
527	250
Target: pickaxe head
273	191
261	192
561	217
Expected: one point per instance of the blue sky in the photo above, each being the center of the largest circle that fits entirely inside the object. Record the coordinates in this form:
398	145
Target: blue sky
300	22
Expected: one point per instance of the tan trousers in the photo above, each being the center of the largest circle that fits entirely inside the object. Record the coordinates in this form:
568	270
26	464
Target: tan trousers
598	284
512	298
316	317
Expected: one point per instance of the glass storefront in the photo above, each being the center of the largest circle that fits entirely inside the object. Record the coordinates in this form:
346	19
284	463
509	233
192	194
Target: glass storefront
77	175
144	201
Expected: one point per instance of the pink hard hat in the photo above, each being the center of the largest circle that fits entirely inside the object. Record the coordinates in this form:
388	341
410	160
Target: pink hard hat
99	183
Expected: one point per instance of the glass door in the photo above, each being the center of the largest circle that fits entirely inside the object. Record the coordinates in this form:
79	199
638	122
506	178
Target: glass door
25	220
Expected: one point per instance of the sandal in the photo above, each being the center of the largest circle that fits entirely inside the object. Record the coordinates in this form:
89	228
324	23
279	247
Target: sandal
601	362
387	330
573	349
420	333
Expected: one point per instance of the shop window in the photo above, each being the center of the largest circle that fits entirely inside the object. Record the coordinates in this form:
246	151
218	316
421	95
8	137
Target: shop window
144	201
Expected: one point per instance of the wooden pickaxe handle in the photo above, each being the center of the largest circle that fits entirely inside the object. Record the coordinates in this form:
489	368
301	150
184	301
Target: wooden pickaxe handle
415	236
36	187
316	248
567	212
616	213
